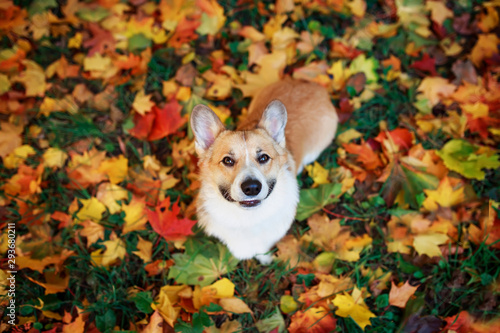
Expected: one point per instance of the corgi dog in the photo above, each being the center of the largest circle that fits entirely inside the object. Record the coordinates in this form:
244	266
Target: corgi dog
249	192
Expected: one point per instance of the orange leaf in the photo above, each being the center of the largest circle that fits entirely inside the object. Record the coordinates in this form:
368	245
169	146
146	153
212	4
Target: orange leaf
366	155
398	296
314	319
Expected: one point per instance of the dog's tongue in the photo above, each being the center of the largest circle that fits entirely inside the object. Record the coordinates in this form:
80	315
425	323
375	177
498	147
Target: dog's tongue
250	203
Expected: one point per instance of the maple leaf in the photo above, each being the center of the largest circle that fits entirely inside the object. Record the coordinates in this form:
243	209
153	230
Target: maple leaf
486	47
54	158
313	200
33	78
317	173
109	194
167	223
429	244
54	282
434	88
135	216
18	156
83	169
467	159
271	70
101	41
92	230
426	64
145	250
399	296
115	168
444	196
92	209
158	123
365	153
201	264
439	11
348	307
314	319
142	103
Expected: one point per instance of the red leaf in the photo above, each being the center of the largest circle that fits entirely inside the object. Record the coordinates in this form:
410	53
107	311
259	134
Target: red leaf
143	125
400	136
426	64
101	41
167	120
166	223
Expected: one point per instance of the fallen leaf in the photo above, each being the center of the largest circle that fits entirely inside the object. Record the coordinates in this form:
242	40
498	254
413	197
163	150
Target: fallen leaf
166	222
399	296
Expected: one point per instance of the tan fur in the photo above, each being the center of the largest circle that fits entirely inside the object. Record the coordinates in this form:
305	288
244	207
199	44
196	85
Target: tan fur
312	120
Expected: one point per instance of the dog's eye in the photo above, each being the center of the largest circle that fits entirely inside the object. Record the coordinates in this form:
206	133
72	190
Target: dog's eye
263	158
228	161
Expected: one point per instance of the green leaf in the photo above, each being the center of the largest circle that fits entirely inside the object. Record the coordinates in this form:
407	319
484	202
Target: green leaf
106	322
139	42
272	323
202	265
40	6
368	66
143	301
312	200
93	14
462	157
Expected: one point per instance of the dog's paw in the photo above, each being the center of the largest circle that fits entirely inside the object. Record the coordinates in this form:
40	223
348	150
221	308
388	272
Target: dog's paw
264	259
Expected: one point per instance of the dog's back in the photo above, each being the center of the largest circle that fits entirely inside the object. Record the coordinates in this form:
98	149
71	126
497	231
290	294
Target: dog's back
312	120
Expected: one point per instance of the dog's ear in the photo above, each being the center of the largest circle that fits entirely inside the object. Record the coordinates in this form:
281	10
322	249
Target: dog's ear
274	121
206	126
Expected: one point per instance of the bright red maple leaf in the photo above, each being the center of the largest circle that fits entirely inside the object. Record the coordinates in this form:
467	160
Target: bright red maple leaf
167	120
158	123
167	223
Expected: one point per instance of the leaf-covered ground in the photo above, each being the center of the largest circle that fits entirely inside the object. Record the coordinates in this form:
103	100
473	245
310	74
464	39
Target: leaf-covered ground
397	229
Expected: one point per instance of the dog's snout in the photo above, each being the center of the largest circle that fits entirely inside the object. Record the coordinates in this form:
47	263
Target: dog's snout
251	187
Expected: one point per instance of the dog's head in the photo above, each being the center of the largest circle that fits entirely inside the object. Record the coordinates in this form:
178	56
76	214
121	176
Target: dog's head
243	166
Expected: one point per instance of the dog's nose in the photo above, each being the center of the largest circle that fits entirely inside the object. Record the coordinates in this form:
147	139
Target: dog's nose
251	187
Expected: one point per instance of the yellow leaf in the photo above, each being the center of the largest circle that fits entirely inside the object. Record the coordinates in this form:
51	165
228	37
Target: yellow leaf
434	88
4	84
486	47
109	194
399	296
223	288
234	305
135	218
271	70
358	7
169	88
54	157
33	78
96	63
92	210
283	38
76	41
213	21
54	284
489	19
476	110
142	103
429	244
347	307
349	135
116	168
439	11
115	249
18	156
444	196
165	302
317	173
145	250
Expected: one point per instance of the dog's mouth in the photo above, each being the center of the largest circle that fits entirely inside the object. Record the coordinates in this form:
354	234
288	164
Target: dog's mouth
250	203
247	203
